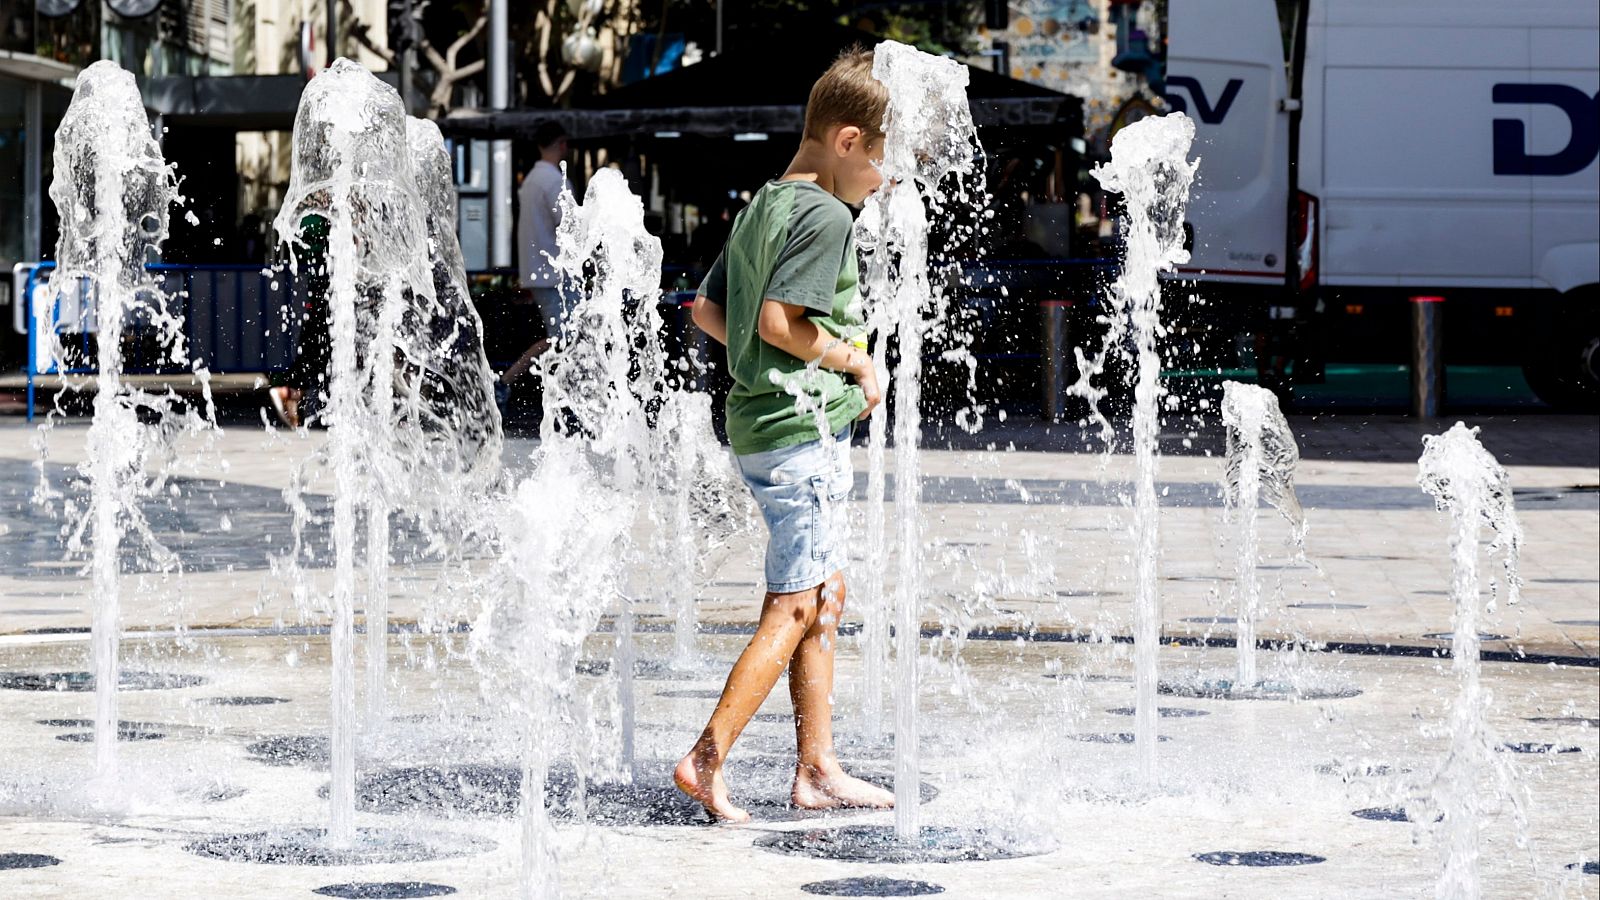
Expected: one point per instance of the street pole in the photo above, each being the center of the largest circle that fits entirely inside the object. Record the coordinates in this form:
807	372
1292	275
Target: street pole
500	149
406	56
32	174
1427	357
333	33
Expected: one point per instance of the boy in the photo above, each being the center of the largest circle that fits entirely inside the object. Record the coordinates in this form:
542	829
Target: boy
783	294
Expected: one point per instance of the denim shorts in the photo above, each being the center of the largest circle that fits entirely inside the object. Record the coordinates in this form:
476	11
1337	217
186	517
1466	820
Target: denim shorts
554	307
801	491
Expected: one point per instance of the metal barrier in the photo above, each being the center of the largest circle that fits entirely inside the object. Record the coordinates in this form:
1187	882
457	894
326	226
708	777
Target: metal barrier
237	318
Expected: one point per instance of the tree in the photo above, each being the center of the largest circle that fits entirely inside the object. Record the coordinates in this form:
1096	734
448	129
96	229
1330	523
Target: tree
568	48
447	68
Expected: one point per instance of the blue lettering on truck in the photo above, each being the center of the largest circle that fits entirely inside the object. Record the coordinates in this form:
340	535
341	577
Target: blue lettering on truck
1511	156
1203	110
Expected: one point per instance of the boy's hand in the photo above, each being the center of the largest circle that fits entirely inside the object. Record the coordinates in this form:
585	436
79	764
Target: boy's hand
866	377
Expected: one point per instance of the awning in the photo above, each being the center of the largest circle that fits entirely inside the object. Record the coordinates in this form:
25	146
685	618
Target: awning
726	121
29	67
759	84
240	102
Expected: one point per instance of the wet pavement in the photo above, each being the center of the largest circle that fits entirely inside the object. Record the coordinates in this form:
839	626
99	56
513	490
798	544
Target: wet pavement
1024	736
1036	765
1018	540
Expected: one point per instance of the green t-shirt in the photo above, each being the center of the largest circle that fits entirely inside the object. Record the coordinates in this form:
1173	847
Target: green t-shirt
792	244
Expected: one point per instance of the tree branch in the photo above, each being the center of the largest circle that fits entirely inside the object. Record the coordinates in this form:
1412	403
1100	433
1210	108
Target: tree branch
466	71
545	24
465	39
434	59
566	83
359	31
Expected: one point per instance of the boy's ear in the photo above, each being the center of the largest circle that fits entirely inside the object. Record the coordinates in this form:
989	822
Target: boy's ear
846	139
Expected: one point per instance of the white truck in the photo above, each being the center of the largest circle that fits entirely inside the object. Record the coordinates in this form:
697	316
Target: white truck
1359	154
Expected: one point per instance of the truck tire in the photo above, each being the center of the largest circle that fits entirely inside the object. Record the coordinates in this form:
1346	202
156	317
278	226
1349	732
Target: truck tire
1566	371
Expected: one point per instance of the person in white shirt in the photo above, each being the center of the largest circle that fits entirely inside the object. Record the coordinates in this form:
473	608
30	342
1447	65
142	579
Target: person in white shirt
538	217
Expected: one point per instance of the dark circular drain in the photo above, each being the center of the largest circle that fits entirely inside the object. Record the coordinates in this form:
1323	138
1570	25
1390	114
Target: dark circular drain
1536	747
222	794
27	861
1090	677
872	886
1382	814
291	750
89	723
1589	866
1583	721
1448	636
692	694
1224	689
473	790
1327	606
781	718
1166	712
480	790
1258	858
1112	737
879	844
660	669
123	734
1213	620
310	847
1348	772
80	682
239	701
384	890
640	803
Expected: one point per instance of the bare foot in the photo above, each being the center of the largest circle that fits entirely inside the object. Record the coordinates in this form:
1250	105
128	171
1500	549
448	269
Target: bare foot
828	787
701	779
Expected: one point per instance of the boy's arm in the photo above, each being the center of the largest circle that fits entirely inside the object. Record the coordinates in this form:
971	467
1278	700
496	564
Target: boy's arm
785	326
709	315
708	312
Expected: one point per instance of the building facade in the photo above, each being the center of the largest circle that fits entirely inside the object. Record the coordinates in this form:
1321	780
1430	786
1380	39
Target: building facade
221	79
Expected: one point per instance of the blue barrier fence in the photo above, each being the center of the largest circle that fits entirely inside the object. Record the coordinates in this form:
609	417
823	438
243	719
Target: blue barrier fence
235	318
246	318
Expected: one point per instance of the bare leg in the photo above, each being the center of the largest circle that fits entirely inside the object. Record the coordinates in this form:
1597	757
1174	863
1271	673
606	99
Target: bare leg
785	619
286	403
819	781
525	361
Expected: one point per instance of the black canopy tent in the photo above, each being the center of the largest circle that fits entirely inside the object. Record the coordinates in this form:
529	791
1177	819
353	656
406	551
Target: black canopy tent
728	123
758	85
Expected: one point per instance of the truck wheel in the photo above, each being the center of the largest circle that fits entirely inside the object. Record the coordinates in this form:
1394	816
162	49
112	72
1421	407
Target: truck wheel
1567	374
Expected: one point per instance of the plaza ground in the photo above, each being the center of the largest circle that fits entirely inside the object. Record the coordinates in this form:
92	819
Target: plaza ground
1028	548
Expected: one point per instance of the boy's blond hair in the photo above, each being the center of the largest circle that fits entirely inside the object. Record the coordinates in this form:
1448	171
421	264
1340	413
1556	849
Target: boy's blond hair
847	94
